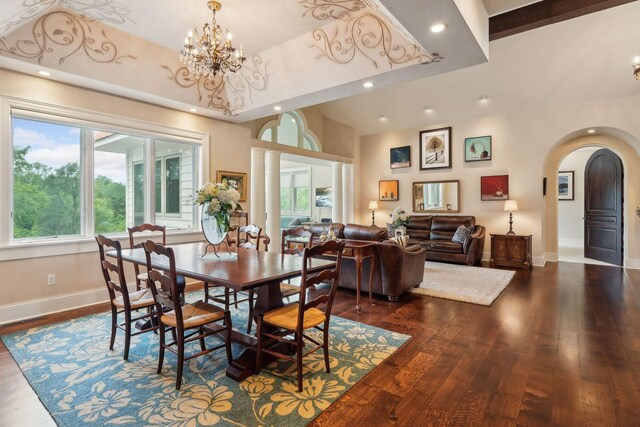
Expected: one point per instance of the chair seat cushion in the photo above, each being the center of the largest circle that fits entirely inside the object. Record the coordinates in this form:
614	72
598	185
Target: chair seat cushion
287	317
196	314
442	246
138	299
287	289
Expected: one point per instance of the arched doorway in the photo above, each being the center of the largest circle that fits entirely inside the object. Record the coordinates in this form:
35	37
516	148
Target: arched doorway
627	148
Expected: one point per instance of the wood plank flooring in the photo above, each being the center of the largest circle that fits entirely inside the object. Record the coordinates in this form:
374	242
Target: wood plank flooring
560	346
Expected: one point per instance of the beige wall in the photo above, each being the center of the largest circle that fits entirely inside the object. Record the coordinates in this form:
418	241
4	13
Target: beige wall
524	147
24	280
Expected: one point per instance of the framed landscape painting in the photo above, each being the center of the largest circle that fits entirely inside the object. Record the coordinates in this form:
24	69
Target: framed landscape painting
400	157
435	149
235	179
494	187
324	197
388	190
566	185
477	149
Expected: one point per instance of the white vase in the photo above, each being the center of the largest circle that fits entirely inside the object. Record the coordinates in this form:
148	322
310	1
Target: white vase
214	233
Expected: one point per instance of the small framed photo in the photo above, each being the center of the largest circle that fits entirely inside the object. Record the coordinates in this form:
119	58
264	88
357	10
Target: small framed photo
235	179
477	149
388	191
400	157
494	187
566	185
435	149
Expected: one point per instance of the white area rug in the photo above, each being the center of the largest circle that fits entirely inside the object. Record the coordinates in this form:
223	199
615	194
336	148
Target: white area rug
476	285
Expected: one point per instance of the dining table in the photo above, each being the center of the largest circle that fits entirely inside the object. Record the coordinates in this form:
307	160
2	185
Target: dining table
241	270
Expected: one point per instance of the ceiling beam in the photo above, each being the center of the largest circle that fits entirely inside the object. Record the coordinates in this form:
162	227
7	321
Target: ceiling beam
543	13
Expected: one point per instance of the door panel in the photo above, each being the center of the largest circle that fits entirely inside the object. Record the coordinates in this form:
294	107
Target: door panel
603	207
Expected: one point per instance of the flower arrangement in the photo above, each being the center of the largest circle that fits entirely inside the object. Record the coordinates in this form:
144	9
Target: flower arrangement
222	199
399	217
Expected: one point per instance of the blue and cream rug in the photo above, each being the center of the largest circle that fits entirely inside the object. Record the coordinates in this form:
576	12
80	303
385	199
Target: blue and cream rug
81	382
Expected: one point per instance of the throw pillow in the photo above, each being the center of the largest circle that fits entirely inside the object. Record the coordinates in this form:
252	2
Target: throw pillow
401	241
391	231
461	235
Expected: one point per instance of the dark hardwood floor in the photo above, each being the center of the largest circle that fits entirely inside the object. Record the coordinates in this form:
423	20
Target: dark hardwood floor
560	346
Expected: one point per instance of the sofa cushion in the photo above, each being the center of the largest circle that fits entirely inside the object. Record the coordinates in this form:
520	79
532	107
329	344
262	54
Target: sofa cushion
364	232
442	246
418	227
445	226
461	234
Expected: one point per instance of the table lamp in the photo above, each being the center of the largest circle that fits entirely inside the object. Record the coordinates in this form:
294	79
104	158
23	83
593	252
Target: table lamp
373	205
510	206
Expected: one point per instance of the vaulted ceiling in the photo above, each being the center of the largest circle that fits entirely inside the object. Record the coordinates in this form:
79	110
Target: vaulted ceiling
300	52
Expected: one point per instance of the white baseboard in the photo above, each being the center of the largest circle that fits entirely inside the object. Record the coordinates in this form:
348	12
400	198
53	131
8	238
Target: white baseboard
551	256
633	264
38	307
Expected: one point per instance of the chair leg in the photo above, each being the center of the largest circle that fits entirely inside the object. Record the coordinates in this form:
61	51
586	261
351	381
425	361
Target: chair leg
227	317
127	333
180	358
161	332
299	351
206	292
235	299
114	325
259	350
250	321
202	344
227	299
325	346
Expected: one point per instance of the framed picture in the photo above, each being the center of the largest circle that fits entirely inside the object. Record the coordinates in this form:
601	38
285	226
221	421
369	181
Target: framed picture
400	157
477	149
324	197
566	185
235	179
494	187
388	190
435	149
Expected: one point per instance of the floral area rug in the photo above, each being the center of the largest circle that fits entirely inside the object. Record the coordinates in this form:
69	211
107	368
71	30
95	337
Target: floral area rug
80	381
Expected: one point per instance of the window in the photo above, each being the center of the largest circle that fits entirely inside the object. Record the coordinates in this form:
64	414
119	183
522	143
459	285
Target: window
433	199
290	129
295	192
72	178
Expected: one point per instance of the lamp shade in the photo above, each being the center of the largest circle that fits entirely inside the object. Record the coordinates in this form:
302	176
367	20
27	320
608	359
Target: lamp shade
373	205
510	205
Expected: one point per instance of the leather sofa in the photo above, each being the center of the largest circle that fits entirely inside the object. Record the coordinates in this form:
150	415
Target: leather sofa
434	234
396	269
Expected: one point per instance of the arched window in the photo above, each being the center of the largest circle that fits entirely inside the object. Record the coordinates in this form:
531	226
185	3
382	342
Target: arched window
290	129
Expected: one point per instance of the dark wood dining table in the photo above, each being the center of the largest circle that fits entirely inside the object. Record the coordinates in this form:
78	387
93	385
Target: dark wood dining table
250	269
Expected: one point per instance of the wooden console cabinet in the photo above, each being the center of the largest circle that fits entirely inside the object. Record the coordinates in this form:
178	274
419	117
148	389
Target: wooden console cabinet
511	251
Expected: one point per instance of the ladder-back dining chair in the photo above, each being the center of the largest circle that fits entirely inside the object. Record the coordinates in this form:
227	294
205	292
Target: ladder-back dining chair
122	301
274	327
188	321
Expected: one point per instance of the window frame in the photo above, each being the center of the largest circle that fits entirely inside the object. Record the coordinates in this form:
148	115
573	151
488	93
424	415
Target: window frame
163	186
11	248
292	191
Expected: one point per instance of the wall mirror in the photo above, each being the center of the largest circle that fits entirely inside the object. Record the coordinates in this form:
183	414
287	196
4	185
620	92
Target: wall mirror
436	196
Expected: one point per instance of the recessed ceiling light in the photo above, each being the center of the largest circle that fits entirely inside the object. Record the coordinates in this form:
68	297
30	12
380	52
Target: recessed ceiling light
636	60
368	84
591	131
277	108
193	110
428	109
382	118
483	98
438	28
44	73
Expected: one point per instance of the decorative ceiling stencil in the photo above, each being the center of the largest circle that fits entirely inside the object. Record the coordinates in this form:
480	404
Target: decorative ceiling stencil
63	34
30	9
336	9
110	11
238	86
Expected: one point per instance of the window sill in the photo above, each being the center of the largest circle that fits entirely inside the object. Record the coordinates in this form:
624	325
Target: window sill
56	247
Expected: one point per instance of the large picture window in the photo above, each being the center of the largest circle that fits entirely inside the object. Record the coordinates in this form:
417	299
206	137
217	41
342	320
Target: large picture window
75	179
295	192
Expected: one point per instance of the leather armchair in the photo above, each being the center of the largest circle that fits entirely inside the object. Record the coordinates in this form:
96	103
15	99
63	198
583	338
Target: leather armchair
400	268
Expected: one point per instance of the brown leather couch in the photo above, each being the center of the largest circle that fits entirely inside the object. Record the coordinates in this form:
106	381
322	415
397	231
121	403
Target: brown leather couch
434	233
396	269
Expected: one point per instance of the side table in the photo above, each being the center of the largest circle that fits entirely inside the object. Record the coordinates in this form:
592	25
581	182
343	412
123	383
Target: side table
510	250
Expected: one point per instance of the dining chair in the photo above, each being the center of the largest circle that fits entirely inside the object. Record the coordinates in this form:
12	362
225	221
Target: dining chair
187	322
237	219
286	288
142	232
122	301
274	327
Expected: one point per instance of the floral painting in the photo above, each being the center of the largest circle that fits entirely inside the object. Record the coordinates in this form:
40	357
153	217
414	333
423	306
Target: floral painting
477	149
494	187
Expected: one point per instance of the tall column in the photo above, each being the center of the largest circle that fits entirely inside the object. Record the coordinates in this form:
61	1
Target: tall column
336	210
273	199
347	193
258	207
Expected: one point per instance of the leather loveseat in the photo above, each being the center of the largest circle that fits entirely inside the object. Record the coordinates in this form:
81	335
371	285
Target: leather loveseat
396	269
434	234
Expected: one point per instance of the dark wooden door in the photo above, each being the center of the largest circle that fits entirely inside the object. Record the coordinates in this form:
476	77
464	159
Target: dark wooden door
603	207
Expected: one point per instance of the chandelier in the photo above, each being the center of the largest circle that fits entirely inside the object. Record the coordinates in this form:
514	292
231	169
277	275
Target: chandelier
211	53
